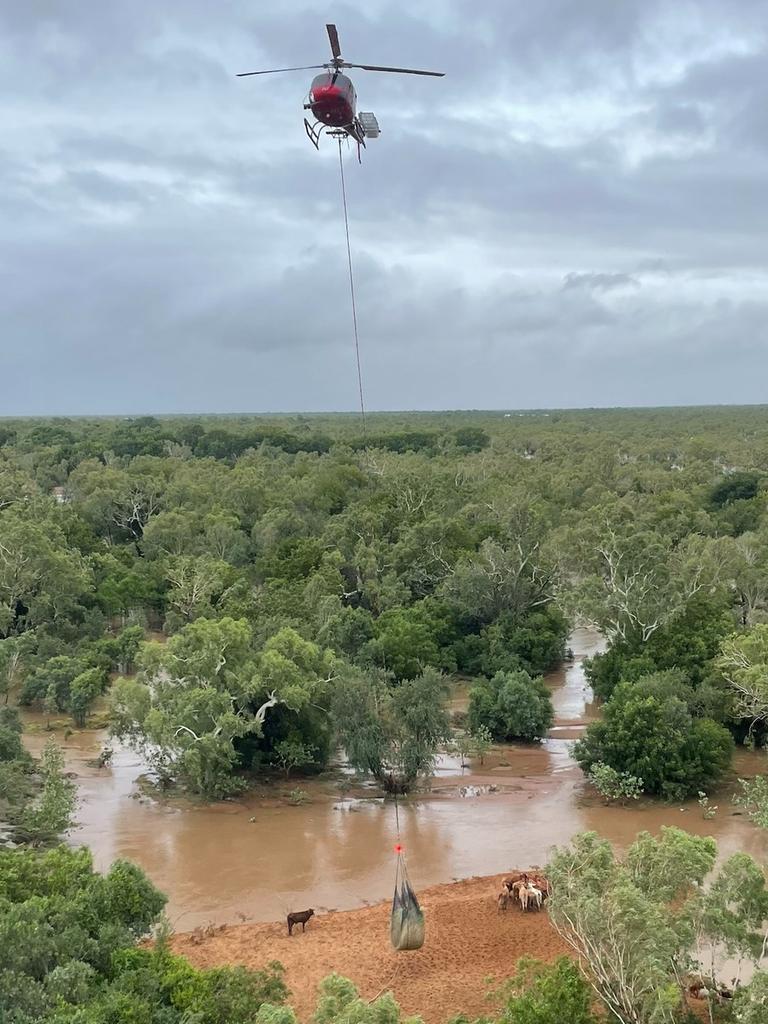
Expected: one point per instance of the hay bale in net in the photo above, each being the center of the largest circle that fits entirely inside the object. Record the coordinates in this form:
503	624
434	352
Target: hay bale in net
406	925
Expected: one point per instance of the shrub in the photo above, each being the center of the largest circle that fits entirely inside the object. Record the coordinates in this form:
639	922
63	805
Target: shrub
512	706
481	741
69	955
615	785
292	753
657	739
548	994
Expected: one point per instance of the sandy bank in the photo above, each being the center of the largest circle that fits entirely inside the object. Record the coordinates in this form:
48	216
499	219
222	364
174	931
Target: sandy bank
468	941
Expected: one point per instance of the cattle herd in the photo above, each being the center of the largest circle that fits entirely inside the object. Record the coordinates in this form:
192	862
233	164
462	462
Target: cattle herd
529	890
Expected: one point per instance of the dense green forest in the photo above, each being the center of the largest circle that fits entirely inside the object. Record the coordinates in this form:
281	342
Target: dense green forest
241	595
248	592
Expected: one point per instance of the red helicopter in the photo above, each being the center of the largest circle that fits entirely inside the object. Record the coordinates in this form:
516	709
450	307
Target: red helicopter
332	97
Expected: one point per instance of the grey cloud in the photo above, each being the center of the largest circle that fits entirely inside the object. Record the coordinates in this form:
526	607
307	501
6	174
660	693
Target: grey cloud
681	119
599	282
172	242
653	265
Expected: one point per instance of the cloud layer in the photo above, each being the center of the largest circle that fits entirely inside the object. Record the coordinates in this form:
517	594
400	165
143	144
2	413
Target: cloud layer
575	215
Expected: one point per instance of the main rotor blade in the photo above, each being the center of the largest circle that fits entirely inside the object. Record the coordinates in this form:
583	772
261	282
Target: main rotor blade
276	71
333	35
398	71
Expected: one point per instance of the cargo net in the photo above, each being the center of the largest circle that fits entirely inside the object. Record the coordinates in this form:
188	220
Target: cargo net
406	926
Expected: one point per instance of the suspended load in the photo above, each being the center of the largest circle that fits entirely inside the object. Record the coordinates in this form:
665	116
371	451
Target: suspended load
406	926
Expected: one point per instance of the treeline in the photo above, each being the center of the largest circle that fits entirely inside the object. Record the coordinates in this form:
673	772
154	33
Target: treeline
57	447
437	544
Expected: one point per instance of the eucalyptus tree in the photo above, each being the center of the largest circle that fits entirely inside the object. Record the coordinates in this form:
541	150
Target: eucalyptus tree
640	925
627	577
42	580
393	732
206	689
743	661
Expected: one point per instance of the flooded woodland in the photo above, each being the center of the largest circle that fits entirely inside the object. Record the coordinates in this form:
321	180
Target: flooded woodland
383	622
255	857
243	637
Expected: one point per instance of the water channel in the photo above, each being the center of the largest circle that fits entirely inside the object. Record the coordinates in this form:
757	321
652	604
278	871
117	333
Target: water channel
257	857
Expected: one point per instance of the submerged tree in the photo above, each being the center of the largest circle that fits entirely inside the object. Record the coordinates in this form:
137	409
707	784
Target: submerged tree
51	808
653	736
83	692
688	643
207	688
65	683
393	732
511	706
37	800
754	799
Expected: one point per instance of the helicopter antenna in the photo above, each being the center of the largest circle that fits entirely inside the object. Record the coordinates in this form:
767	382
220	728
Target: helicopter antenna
352	288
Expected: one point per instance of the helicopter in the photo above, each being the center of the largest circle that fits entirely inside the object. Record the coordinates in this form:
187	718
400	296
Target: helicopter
332	98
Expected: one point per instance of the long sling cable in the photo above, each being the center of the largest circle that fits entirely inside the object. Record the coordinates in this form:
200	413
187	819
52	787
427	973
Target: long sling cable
400	870
352	289
398	848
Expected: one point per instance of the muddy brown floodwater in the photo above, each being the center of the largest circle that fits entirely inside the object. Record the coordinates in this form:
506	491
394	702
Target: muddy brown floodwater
254	859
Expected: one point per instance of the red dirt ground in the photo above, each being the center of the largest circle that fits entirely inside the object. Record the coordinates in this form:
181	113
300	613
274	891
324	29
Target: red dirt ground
468	941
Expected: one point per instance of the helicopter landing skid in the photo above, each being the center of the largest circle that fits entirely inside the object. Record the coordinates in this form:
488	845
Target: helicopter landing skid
314	131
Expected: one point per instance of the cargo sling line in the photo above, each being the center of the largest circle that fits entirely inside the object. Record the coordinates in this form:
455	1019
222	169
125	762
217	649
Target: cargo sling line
406	926
352	288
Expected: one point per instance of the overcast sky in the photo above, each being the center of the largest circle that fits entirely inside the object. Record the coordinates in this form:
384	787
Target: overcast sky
576	215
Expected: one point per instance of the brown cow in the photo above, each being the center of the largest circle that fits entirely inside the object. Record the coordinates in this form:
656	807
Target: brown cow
301	917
